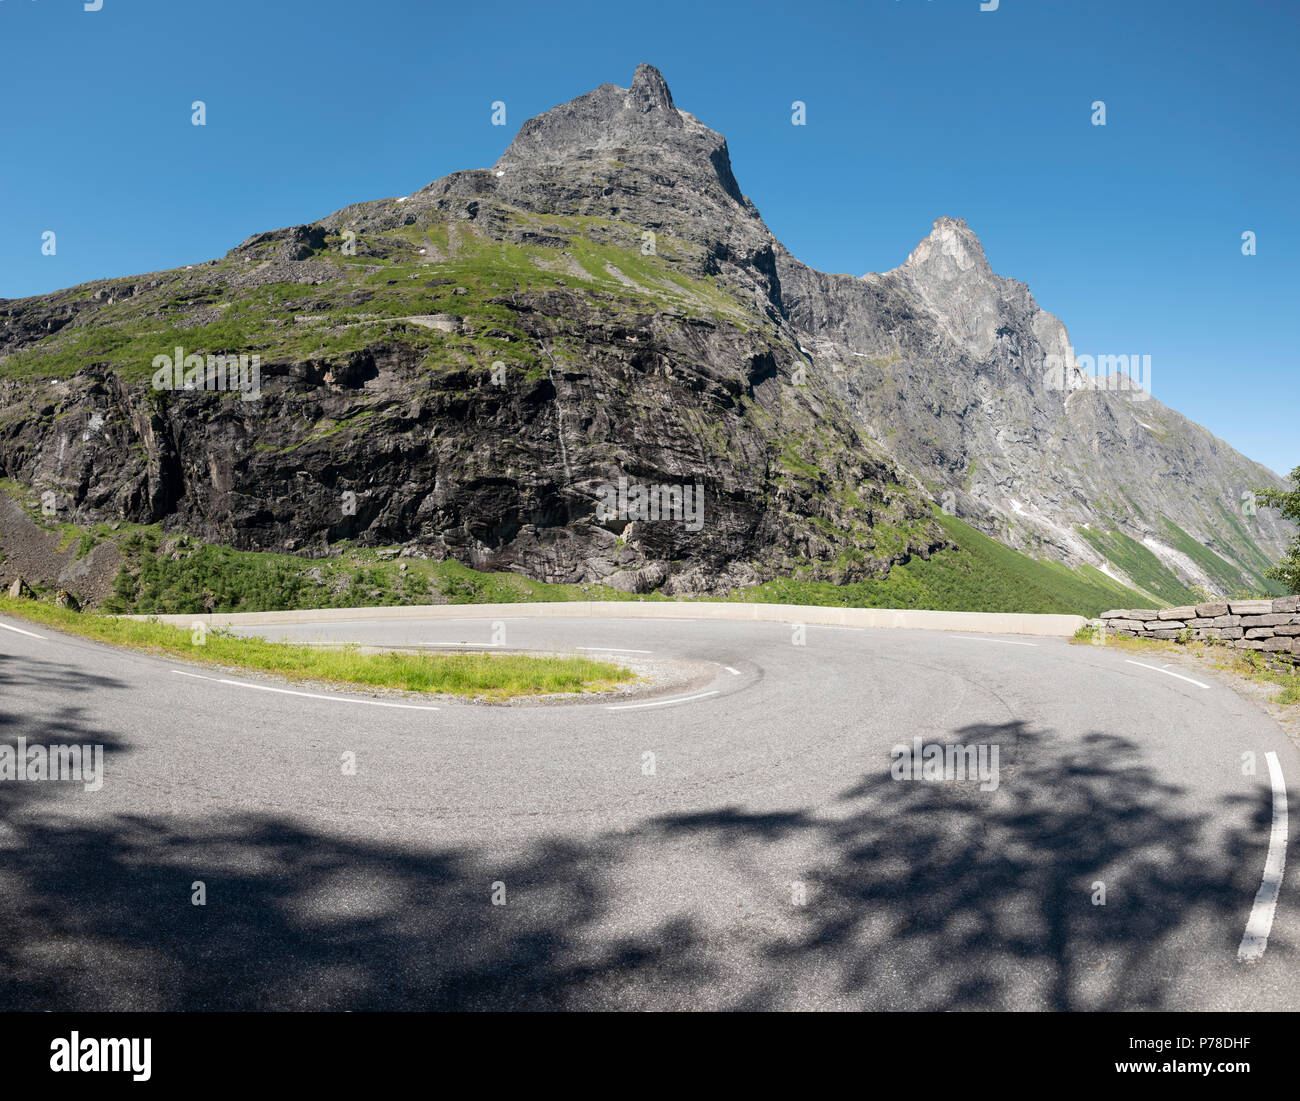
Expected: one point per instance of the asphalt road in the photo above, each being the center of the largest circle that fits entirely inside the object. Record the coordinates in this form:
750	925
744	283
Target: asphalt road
536	857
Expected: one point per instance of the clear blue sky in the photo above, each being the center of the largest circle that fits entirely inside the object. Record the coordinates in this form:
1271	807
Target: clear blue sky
1131	232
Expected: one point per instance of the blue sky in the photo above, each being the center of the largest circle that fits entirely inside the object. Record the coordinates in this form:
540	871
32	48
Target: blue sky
1131	232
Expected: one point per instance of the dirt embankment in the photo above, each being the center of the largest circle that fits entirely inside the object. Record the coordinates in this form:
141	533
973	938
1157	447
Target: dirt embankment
29	551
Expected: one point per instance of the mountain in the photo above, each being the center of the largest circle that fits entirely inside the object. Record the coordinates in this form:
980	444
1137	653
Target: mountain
471	370
977	391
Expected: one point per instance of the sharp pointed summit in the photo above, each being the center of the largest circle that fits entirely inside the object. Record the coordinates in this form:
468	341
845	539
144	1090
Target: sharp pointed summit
649	92
631	141
950	252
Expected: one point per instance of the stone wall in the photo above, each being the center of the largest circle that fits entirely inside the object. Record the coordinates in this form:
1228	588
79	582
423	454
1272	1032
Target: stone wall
1271	626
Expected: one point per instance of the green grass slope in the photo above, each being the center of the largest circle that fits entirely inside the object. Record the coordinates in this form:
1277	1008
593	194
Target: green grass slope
1147	571
348	303
1234	579
1140	565
981	576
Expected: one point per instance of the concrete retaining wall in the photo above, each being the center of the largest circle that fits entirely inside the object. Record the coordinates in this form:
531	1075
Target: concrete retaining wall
996	623
1270	626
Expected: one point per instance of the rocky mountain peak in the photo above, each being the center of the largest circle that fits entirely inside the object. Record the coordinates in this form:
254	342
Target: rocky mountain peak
950	274
608	118
630	150
952	252
649	91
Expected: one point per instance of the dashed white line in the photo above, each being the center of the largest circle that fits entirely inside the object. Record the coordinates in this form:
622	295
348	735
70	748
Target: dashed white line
1003	641
611	650
19	630
659	703
1255	939
733	672
1166	672
310	695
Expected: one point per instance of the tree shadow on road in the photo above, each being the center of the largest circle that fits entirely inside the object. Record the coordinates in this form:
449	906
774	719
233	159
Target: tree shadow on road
1079	884
919	895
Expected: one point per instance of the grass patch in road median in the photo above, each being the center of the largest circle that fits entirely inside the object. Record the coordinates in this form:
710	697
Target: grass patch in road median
486	676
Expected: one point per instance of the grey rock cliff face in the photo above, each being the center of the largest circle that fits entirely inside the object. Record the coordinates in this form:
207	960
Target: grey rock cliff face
638	126
631	155
947	365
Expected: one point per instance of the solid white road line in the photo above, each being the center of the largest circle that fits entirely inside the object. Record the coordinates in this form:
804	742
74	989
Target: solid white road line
1166	672
1004	641
1255	939
19	630
309	695
611	650
659	703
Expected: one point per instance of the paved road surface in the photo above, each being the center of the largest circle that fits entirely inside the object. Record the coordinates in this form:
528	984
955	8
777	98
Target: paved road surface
769	859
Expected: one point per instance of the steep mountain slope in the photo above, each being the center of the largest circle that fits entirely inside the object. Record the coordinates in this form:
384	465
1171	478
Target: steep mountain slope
466	370
952	368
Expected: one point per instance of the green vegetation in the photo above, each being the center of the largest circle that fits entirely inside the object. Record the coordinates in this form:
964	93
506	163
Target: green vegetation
1288	503
179	575
1149	573
485	676
164	575
1229	577
176	574
1255	564
1141	565
406	271
981	576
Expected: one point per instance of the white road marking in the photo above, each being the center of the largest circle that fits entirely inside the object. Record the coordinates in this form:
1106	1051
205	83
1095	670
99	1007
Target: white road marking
611	650
1166	672
20	631
659	703
733	672
309	695
1003	641
196	676
1255	939
833	627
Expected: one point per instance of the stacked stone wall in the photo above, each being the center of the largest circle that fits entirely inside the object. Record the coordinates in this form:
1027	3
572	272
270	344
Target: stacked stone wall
1270	626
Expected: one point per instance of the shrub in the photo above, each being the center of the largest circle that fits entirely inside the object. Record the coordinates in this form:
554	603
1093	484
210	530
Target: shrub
1288	503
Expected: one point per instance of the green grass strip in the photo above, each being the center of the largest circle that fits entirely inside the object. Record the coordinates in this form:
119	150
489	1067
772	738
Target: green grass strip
489	676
